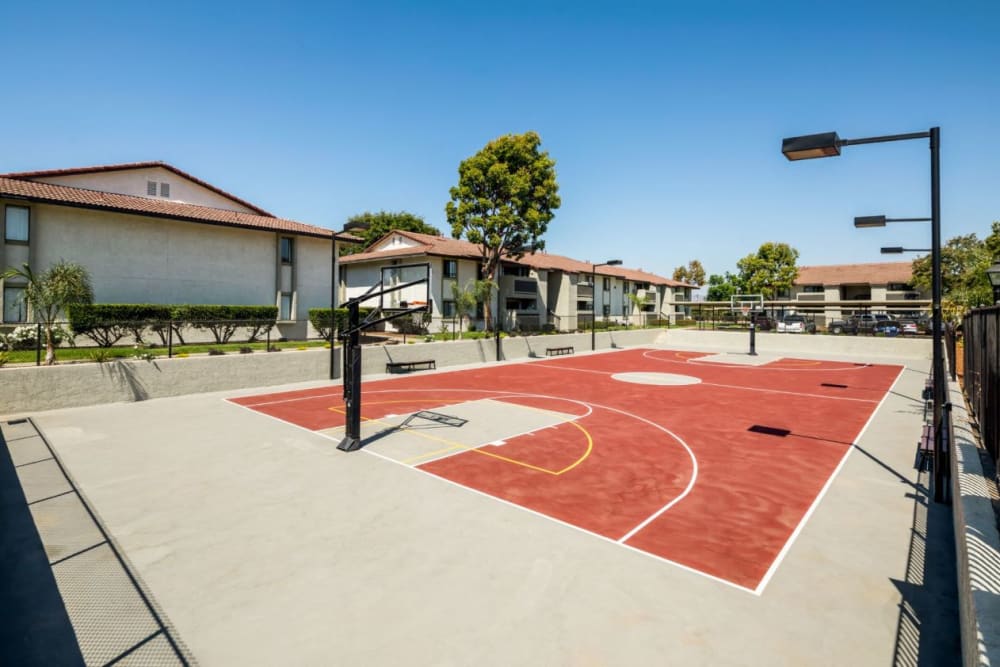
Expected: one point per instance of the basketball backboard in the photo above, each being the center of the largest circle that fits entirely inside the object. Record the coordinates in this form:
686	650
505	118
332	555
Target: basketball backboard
408	297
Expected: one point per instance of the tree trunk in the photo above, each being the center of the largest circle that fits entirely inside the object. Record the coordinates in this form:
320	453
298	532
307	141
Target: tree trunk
50	349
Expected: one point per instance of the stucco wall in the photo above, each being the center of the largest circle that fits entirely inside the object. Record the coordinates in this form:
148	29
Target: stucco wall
136	259
133	182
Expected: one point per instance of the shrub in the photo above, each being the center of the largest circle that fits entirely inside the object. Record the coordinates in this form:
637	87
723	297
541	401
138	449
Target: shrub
215	352
223	321
246	350
4	358
24	337
320	318
108	323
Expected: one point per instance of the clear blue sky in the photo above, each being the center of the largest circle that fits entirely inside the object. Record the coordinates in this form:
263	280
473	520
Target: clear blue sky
665	118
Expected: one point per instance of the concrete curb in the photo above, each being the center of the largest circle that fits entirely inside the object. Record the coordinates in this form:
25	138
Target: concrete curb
977	542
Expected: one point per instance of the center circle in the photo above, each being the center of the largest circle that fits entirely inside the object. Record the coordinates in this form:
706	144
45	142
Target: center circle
655	378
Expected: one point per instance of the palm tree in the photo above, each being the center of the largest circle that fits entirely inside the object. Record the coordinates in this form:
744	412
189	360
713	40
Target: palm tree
51	292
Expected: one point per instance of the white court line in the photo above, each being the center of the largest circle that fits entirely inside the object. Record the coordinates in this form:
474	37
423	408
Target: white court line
733	386
790	393
829	482
648	354
522	508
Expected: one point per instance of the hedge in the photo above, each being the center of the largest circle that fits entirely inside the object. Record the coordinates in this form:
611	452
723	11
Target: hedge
320	319
108	323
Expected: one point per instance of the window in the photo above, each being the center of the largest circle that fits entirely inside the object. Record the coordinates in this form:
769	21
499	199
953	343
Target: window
525	286
447	307
286	250
584	305
285	306
607	309
14	307
517	270
16	229
900	287
151	188
164	189
607	284
520	304
451	268
812	289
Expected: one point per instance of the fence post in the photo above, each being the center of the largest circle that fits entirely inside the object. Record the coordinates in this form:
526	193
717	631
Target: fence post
268	343
170	339
38	344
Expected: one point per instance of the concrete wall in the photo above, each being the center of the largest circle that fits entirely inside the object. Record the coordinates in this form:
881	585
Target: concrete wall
30	389
136	259
977	543
790	344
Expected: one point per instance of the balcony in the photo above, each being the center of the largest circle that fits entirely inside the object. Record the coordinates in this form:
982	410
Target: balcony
585	291
519	285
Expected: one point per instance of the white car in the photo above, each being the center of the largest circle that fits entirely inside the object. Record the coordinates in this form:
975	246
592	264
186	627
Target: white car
792	324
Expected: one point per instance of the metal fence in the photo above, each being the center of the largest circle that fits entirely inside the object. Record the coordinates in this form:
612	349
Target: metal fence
981	329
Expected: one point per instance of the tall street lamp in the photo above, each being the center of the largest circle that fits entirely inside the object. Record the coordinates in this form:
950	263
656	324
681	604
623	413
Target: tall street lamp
993	273
828	144
896	250
593	301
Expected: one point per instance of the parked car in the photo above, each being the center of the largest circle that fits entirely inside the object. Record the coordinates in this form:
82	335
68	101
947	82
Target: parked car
909	327
796	324
763	321
870	323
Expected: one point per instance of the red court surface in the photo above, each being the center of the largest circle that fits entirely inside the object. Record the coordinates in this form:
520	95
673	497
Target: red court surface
672	470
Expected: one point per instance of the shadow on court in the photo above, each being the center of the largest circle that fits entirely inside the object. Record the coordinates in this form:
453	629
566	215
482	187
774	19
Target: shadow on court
927	632
34	626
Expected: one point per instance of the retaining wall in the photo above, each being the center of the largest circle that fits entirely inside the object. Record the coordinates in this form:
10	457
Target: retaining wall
790	344
30	388
977	543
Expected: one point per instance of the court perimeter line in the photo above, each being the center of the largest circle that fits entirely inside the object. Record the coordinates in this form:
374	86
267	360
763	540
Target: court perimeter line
694	474
694	361
792	393
603	538
829	482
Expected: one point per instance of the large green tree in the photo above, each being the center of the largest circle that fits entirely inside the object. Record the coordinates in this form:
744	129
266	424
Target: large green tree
692	274
964	260
50	292
768	271
505	197
720	288
373	226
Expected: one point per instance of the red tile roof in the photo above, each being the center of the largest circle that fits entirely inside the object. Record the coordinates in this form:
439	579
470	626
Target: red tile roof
441	246
63	195
878	273
30	175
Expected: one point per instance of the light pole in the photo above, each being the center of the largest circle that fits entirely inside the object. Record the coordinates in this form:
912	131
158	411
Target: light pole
993	273
829	144
593	301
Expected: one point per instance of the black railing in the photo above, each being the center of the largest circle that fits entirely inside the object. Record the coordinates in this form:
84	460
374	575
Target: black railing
981	330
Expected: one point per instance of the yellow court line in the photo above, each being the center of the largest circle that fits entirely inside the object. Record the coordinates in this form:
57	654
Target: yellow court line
797	362
458	445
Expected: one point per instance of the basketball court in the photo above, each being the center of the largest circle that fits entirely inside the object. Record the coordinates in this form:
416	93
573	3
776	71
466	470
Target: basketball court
688	457
639	506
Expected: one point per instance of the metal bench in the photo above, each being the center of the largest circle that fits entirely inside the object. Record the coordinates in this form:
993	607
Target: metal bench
407	366
925	448
553	351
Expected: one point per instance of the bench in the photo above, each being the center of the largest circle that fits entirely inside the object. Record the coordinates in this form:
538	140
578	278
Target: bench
925	448
552	351
406	366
